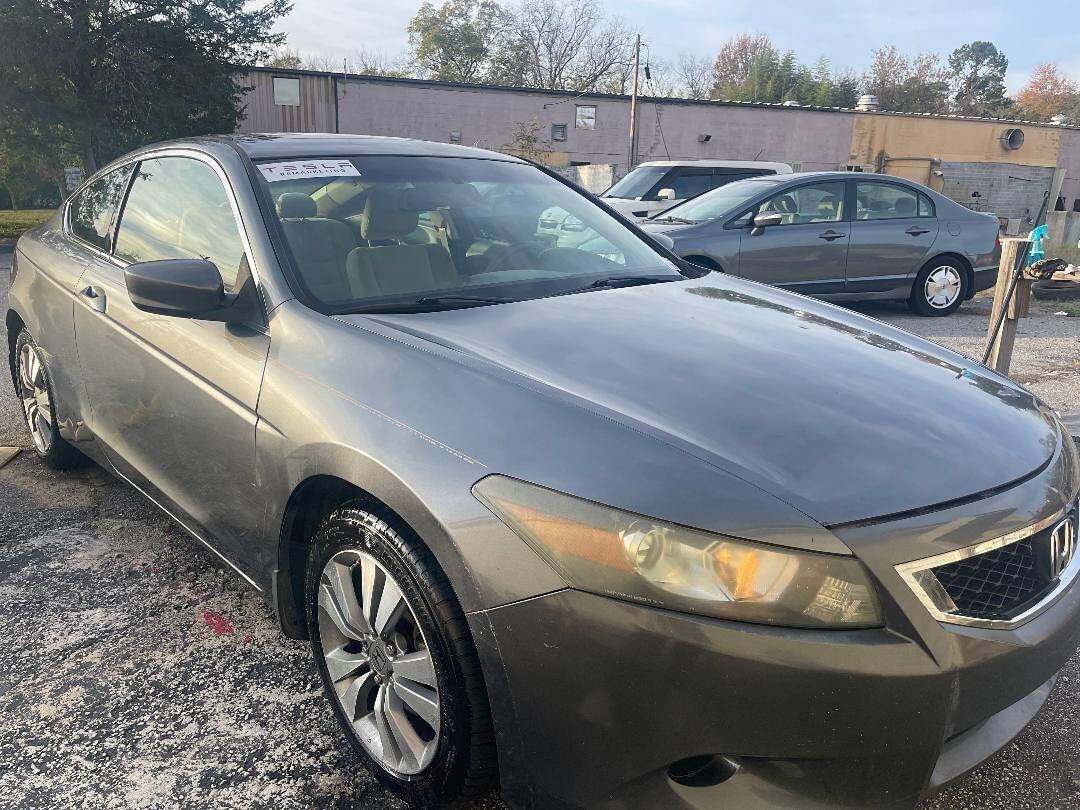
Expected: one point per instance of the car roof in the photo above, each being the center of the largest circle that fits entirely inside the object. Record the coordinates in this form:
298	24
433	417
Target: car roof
722	164
261	146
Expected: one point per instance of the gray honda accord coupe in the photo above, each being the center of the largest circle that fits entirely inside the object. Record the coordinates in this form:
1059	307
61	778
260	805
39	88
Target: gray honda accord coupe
842	237
580	521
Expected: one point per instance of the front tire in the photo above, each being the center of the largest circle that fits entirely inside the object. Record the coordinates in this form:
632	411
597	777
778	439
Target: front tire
398	663
35	393
939	288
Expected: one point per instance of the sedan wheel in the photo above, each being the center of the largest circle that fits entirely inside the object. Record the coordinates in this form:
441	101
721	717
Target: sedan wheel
379	662
35	393
37	405
398	662
939	288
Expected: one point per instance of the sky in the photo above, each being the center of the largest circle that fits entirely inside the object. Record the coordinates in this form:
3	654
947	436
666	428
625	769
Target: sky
846	32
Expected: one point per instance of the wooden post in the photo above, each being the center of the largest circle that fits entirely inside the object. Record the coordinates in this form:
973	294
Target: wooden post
1013	255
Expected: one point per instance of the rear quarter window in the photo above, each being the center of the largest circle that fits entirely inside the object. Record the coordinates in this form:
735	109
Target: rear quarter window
91	211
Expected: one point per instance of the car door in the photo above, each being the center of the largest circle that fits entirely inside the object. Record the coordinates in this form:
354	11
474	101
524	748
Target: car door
892	232
807	251
88	225
173	400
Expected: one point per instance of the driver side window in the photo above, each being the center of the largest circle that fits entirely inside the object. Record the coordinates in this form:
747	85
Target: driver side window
818	202
178	209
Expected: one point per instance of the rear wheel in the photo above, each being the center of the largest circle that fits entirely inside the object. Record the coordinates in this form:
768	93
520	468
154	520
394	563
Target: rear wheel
939	288
36	397
397	660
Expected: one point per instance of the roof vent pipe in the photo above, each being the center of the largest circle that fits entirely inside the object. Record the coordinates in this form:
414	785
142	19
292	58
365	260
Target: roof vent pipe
867	102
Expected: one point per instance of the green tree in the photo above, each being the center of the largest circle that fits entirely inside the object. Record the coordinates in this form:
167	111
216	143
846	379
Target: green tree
107	75
977	78
455	42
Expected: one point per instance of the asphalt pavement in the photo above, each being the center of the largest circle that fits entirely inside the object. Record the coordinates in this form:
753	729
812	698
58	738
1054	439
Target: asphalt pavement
135	673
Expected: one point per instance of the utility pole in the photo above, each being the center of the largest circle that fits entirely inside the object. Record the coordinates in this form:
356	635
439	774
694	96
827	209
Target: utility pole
633	107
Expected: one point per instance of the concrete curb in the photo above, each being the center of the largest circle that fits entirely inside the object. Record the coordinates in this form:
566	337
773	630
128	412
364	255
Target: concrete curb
8	453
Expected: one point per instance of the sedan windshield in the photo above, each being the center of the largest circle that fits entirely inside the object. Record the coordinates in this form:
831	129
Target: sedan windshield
394	233
718	202
637	184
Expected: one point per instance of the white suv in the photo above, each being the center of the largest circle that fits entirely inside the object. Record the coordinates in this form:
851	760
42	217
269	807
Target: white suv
659	184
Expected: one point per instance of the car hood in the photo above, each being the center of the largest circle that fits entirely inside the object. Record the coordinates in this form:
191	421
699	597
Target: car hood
841	416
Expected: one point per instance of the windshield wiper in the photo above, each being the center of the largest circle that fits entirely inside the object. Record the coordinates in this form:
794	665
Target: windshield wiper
461	299
676	220
609	282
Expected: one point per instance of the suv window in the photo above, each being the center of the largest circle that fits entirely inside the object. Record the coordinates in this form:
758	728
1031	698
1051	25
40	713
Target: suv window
886	201
690	183
818	202
178	209
91	211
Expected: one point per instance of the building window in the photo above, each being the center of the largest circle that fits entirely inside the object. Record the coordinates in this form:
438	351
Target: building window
558	132
286	92
586	117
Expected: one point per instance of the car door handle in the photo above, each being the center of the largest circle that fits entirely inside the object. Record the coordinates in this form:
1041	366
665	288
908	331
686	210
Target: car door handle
95	299
916	231
829	235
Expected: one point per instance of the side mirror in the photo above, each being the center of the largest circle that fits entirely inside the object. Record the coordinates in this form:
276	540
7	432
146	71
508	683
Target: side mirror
764	220
183	288
665	194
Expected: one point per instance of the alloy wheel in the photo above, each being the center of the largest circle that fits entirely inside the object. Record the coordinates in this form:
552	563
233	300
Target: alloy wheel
379	663
942	287
37	405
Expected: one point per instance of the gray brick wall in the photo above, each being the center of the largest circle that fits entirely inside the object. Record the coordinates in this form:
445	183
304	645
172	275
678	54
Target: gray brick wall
1006	189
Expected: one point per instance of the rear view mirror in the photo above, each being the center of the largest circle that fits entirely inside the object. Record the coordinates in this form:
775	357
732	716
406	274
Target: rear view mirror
665	194
183	288
764	220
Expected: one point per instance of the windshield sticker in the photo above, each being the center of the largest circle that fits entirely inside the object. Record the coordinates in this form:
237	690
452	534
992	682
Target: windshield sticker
306	169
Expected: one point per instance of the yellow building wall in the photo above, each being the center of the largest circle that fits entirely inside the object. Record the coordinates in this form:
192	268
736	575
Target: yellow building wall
909	142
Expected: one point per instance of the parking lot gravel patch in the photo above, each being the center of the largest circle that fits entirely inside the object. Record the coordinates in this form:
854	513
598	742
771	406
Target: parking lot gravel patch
136	674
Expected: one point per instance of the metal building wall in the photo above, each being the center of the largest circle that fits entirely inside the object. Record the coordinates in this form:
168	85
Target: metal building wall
315	112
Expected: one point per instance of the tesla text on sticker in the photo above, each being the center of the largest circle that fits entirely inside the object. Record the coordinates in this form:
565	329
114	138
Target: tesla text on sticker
300	170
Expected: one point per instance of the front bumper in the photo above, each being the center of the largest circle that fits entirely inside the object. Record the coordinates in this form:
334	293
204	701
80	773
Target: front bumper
596	698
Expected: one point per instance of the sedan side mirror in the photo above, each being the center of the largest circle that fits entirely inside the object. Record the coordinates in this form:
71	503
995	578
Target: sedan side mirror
764	220
183	288
665	194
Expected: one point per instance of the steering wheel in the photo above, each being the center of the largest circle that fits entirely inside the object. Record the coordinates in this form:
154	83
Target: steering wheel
508	258
560	259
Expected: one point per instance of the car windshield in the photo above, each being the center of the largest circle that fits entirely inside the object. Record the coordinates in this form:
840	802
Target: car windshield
394	233
718	202
637	183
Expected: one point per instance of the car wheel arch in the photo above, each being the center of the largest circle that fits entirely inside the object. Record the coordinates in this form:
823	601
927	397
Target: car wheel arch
311	502
704	261
15	324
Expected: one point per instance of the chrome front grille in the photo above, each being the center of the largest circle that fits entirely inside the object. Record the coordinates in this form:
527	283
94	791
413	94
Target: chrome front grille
1001	582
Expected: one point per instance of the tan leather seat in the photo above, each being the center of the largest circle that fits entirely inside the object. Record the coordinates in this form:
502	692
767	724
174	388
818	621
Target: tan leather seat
396	269
320	245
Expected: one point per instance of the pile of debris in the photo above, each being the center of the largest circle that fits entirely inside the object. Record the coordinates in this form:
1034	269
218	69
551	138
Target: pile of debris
1056	280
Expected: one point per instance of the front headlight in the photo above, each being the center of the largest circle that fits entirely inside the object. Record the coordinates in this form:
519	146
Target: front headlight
626	556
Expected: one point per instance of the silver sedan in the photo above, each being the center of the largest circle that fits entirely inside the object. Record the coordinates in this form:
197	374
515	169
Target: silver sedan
842	237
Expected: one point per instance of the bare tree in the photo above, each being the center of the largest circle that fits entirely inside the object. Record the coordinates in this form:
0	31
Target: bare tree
569	45
378	63
738	57
905	83
694	74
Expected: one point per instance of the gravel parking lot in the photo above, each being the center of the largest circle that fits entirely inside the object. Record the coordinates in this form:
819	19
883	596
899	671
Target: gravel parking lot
136	674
